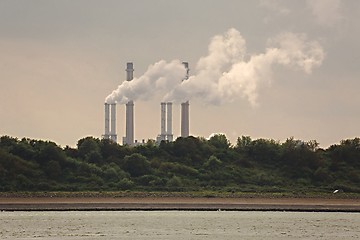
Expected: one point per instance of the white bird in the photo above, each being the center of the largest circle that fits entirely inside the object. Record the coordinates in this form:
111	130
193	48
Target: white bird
337	190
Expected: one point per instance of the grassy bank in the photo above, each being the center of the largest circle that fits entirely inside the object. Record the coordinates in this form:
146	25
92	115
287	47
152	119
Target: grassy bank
206	194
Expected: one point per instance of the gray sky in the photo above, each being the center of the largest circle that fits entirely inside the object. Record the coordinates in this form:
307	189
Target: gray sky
60	59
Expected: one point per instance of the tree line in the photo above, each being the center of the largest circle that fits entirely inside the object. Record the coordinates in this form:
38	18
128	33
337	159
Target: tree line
187	164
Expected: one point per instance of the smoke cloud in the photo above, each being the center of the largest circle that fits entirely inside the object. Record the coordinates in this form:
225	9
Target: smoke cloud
225	74
159	78
326	12
276	6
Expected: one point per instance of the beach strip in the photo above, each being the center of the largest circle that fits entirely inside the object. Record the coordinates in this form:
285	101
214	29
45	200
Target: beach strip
178	204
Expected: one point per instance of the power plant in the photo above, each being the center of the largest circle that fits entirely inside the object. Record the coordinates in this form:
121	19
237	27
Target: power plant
166	132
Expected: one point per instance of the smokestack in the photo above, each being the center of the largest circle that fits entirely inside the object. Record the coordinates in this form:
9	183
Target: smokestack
129	132
113	135
129	71
169	122
163	120
185	119
162	135
186	65
107	121
185	126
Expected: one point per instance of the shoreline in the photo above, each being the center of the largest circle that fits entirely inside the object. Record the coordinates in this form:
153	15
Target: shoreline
48	203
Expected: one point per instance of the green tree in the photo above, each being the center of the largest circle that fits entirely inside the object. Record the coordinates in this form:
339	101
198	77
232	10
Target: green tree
8	143
174	183
53	170
49	151
89	149
213	163
24	149
265	151
243	143
348	152
188	151
219	141
299	158
137	165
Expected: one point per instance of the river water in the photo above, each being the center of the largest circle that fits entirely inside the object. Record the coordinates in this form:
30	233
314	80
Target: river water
178	225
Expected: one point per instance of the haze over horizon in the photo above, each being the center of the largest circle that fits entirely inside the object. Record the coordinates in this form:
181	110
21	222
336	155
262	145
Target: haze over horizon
292	69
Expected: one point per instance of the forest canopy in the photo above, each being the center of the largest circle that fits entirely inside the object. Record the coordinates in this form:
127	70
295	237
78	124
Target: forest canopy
187	164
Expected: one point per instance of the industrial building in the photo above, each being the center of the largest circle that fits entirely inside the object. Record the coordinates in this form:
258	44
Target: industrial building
166	133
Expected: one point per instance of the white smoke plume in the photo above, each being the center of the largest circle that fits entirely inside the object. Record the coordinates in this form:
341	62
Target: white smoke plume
159	78
275	6
326	12
224	74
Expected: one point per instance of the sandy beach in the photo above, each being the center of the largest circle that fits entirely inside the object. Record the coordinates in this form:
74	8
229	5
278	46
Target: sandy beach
177	203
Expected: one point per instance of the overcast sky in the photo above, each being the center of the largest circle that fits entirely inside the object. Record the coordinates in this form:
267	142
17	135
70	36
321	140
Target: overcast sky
59	60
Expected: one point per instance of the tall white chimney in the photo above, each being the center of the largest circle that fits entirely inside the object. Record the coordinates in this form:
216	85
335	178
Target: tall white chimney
185	119
186	65
113	135
185	125
129	71
163	120
169	133
129	132
162	135
107	121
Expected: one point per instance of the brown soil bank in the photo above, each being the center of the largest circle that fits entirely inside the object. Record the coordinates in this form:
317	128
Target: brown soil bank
84	202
